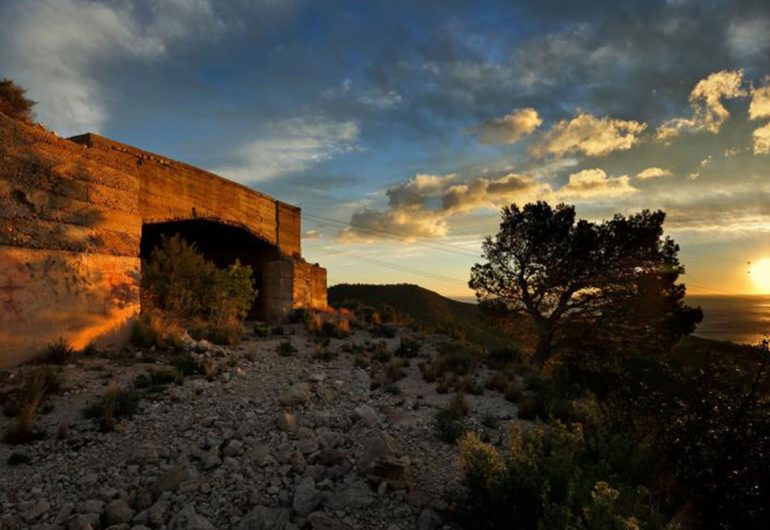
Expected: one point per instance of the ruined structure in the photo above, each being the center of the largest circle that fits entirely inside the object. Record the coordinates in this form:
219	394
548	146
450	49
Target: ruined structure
77	215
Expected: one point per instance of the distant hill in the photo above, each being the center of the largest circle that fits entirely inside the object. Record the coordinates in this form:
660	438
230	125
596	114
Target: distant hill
424	307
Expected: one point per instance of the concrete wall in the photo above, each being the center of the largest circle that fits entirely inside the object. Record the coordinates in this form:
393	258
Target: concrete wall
71	216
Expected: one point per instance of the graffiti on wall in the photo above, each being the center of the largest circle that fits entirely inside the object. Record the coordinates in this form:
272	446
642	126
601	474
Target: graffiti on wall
96	284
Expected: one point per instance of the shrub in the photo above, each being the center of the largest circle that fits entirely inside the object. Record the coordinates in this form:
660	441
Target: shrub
334	329
428	371
155	330
323	353
58	352
514	393
13	101
546	478
210	369
261	329
155	378
501	357
409	347
361	361
42	382
394	370
387	313
299	315
392	389
449	425
497	381
179	282
277	330
286	349
384	330
528	409
382	353
456	358
116	403
187	364
458	405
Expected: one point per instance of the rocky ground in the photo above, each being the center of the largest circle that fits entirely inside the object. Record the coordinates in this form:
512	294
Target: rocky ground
272	442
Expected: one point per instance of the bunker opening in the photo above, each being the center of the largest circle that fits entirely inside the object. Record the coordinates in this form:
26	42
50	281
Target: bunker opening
222	244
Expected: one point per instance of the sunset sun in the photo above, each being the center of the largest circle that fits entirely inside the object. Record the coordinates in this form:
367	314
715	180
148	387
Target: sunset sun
759	272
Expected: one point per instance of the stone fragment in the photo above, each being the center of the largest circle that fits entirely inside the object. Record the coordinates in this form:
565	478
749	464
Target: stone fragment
306	497
117	512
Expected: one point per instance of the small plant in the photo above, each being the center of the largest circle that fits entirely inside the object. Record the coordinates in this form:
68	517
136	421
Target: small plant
409	347
456	358
444	385
384	330
428	372
187	365
156	378
153	330
392	389
58	352
394	370
501	357
361	361
116	403
489	421
449	425
334	329
89	350
286	349
42	382
382	353
514	393
497	381
458	405
528	409
210	369
299	315
261	329
324	354
277	331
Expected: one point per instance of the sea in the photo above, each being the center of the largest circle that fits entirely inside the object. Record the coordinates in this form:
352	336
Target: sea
743	319
737	318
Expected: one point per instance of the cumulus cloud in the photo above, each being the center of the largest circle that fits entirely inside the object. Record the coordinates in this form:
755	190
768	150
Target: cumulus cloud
312	234
761	140
760	101
423	206
55	47
381	99
589	135
706	97
653	172
510	128
291	146
594	184
748	37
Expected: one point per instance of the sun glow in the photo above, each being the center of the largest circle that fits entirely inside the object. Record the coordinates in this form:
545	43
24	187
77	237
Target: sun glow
759	272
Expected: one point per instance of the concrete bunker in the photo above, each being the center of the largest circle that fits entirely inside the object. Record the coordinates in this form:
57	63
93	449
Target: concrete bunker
222	244
78	214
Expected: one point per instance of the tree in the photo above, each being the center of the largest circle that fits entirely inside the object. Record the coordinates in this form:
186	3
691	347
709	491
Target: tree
13	102
619	274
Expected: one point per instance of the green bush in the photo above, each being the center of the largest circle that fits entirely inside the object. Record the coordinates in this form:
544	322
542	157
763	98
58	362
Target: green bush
262	329
182	285
449	425
186	365
546	478
455	357
286	349
157	378
116	403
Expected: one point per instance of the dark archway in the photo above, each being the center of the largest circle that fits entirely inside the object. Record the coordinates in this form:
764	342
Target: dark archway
220	243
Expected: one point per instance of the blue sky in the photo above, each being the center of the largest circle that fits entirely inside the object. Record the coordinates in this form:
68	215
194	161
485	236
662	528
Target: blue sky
402	127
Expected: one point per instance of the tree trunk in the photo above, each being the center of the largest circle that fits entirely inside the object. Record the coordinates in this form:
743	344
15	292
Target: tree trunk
544	340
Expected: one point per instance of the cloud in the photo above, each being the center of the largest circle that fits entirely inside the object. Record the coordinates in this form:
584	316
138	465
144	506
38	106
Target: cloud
760	101
312	234
510	128
381	99
56	47
590	135
594	184
706	101
291	146
748	37
408	224
424	206
761	140
653	172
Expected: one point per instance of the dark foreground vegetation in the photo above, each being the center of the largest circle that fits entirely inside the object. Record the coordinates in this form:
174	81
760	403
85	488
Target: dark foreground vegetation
643	429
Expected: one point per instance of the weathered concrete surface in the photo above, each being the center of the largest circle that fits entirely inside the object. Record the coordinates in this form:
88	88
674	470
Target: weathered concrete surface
71	217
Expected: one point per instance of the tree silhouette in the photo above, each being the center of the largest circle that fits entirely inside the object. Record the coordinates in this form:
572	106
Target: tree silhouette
619	274
13	102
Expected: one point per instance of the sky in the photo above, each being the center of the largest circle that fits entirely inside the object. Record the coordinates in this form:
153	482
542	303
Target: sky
402	127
